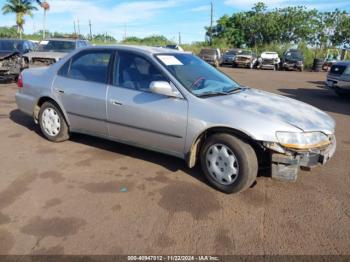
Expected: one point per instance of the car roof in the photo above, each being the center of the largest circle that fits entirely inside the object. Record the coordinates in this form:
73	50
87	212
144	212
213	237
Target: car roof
136	48
344	63
64	39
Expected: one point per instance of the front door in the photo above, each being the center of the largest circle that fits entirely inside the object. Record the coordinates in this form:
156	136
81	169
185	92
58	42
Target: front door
140	117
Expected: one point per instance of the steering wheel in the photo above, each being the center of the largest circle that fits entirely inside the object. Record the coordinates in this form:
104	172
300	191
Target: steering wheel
198	83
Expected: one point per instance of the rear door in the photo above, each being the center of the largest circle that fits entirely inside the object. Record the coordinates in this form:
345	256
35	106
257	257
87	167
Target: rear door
81	87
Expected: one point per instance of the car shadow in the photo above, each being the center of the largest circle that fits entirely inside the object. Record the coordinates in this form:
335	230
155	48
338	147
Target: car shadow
319	84
321	98
172	164
24	120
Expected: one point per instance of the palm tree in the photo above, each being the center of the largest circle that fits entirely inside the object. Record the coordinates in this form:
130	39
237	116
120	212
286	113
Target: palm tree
21	8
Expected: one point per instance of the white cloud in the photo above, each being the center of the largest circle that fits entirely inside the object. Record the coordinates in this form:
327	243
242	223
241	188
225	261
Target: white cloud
247	4
202	8
121	13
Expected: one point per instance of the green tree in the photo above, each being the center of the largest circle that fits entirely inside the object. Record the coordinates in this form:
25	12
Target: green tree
8	32
21	8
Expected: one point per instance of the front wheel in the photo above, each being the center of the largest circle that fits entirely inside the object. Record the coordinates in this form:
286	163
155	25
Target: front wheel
52	123
229	164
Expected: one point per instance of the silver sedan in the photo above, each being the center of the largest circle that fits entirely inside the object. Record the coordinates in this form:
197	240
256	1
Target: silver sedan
175	103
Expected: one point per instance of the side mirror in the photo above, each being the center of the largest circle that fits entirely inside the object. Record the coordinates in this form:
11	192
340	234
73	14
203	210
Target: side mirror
163	88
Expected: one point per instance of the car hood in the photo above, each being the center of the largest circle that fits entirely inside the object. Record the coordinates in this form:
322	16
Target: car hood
6	54
53	55
278	108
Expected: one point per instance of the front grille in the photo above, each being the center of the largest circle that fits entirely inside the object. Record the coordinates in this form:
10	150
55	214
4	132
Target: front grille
242	59
268	61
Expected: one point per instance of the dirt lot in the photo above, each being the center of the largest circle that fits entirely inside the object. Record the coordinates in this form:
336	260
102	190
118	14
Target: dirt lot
69	198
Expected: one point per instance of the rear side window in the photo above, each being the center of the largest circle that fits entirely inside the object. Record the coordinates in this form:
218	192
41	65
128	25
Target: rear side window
90	66
338	69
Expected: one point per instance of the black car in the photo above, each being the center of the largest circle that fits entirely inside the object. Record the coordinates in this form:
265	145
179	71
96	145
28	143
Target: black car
292	59
11	60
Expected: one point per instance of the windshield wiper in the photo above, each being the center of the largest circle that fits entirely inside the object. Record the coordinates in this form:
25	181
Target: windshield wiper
212	93
237	89
222	93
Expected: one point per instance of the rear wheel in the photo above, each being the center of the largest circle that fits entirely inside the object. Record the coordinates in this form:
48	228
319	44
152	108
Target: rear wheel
229	164
52	123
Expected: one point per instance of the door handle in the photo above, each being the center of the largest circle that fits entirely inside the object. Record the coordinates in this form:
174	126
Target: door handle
59	91
116	103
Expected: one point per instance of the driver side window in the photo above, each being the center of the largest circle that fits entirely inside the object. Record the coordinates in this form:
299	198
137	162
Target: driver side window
135	72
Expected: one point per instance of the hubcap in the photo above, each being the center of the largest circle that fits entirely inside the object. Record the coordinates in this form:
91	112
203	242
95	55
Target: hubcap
51	122
222	164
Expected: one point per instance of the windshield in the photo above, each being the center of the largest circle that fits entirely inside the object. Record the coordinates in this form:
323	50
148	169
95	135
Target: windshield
196	75
231	52
171	46
294	55
208	52
8	45
246	53
56	46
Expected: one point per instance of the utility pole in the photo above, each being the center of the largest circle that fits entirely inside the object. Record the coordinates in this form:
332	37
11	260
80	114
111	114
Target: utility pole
211	23
75	29
44	25
125	31
78	28
90	30
179	38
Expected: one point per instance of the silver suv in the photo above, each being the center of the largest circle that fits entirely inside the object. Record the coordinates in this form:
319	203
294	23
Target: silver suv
175	103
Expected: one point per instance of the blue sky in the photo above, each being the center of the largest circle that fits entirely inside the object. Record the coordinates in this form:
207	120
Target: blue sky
148	17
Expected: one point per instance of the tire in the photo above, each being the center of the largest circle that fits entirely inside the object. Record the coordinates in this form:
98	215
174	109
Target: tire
52	123
234	65
245	163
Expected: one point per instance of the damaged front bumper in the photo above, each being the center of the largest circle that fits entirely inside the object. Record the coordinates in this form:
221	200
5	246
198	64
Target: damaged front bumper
285	167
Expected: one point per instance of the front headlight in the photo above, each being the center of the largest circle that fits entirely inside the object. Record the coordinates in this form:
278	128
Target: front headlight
306	140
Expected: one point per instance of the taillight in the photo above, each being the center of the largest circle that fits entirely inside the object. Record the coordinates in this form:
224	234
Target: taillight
20	81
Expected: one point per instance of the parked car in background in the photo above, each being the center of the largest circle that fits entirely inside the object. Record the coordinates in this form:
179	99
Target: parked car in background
338	78
52	50
12	61
211	56
269	60
333	56
175	47
175	103
229	56
246	58
292	59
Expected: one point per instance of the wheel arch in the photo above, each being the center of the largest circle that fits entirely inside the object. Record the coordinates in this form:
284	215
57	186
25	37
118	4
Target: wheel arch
44	99
193	154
